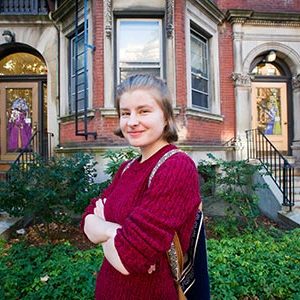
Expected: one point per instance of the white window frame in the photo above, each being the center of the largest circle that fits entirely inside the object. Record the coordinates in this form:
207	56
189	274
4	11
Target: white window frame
72	75
144	66
196	34
209	29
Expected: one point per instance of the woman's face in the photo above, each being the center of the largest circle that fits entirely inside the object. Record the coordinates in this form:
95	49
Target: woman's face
142	121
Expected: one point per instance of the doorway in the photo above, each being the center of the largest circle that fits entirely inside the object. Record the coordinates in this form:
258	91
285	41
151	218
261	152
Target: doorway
269	112
23	103
19	116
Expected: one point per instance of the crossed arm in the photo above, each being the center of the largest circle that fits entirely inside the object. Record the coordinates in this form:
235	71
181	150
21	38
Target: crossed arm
98	230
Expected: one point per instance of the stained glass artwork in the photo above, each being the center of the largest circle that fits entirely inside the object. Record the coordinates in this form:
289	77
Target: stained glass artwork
269	110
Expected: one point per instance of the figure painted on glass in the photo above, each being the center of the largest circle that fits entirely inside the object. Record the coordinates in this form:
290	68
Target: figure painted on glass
273	125
19	125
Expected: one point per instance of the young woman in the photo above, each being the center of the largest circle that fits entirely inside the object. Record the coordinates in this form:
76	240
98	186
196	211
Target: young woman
134	222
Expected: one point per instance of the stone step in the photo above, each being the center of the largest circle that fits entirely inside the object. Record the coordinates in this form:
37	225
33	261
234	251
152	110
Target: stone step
6	222
297	197
2	176
290	217
4	166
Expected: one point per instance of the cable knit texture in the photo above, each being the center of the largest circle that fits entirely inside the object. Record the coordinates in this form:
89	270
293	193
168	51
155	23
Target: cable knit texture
149	218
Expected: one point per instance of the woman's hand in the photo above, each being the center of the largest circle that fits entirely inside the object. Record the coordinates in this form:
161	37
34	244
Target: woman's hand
99	209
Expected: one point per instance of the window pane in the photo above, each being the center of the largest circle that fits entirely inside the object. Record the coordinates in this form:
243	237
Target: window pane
22	64
19	118
199	56
199	70
199	83
200	99
79	72
266	69
139	41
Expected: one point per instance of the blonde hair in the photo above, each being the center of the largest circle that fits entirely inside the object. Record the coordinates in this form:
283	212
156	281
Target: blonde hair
149	82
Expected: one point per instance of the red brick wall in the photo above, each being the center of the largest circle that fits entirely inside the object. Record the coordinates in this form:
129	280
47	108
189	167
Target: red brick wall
226	83
204	130
179	30
103	126
98	63
198	130
258	5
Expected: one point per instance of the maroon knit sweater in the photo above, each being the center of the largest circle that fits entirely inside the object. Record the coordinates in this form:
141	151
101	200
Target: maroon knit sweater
149	217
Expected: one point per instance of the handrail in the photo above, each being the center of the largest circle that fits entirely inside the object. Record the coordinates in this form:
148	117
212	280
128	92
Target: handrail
39	144
281	171
230	142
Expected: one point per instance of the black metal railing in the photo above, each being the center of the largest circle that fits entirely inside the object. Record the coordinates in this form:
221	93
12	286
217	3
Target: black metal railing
38	147
281	171
81	113
231	142
24	7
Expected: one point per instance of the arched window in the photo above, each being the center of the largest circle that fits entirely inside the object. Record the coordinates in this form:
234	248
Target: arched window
22	63
266	69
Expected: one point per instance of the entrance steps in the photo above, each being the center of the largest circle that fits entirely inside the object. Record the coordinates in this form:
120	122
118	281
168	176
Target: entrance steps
293	217
281	213
4	167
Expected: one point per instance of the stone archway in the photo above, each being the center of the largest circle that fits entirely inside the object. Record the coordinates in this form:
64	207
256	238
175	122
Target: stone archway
23	99
286	53
243	81
292	60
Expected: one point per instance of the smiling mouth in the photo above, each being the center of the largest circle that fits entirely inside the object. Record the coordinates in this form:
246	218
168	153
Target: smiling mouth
134	133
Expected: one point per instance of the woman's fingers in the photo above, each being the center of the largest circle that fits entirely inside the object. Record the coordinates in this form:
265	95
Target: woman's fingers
99	209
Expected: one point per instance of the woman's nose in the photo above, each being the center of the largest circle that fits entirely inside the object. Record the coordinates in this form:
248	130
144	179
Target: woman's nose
133	120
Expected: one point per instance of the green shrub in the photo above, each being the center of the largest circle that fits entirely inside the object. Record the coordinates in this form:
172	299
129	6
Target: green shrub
50	192
48	272
116	158
265	265
231	181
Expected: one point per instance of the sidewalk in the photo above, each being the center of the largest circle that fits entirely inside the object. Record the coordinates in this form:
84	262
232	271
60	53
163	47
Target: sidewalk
6	222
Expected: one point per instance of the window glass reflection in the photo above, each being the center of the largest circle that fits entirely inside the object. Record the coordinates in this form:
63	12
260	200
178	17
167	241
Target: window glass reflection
22	63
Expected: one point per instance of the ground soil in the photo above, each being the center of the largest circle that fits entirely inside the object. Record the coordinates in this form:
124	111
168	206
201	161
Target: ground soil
38	234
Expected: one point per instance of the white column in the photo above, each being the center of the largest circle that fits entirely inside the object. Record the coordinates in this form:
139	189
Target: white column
296	111
243	112
237	46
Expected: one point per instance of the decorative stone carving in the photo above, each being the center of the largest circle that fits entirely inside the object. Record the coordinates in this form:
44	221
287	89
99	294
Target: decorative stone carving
237	36
108	17
170	18
296	82
242	79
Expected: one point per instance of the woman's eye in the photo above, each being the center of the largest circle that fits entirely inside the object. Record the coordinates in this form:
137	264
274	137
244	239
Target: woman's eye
144	111
124	114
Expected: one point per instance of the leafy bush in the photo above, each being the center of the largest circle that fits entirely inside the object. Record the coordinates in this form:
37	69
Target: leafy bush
48	272
231	181
50	191
262	265
116	158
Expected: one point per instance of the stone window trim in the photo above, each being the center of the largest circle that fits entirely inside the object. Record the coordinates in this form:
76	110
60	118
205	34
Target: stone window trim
196	20
168	65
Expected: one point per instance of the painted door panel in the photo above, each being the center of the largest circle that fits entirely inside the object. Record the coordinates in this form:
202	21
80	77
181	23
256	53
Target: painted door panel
269	112
18	116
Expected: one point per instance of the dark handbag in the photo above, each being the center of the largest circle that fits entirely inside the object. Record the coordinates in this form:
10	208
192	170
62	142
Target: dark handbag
193	279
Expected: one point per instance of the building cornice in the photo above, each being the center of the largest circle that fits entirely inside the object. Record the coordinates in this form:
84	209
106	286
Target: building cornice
211	10
262	18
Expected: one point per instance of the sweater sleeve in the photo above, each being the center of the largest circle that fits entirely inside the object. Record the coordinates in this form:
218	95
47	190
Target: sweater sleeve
171	200
90	208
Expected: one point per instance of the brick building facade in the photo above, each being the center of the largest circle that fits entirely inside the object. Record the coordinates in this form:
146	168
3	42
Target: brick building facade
214	55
